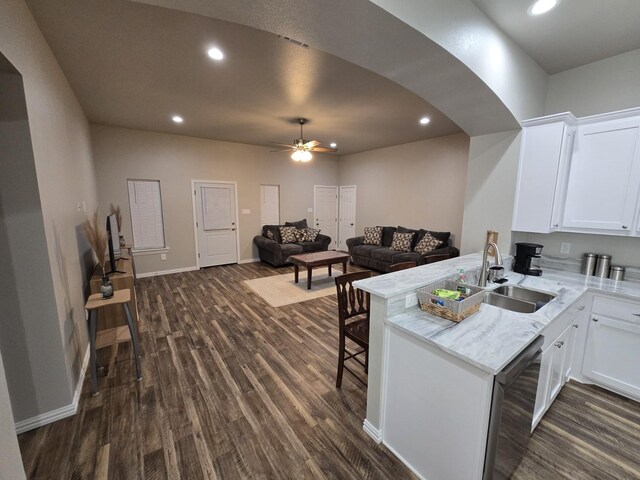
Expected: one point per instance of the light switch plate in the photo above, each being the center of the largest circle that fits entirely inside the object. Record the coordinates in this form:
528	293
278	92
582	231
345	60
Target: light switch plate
565	248
411	300
246	211
309	210
163	256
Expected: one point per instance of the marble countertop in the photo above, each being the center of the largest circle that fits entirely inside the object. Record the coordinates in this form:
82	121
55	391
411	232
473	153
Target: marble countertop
493	337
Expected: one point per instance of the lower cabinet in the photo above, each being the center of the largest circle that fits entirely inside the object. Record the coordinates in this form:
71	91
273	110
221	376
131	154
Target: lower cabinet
612	354
554	364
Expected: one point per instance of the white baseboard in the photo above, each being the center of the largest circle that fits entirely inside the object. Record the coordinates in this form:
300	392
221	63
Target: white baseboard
249	260
59	413
166	272
372	431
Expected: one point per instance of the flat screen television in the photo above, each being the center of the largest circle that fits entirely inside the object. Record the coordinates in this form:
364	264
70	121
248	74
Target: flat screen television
113	236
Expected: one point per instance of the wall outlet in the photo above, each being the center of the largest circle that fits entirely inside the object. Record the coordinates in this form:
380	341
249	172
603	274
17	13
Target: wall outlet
163	256
309	210
411	300
246	211
565	248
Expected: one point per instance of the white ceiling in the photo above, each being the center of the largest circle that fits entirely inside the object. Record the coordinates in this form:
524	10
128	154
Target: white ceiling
135	65
575	33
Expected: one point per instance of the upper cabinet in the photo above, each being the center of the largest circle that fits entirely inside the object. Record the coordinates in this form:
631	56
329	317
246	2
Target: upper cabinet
580	176
605	177
545	156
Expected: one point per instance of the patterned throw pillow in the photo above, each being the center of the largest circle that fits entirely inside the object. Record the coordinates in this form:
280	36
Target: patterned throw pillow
301	234
288	234
311	234
402	242
372	235
270	235
427	244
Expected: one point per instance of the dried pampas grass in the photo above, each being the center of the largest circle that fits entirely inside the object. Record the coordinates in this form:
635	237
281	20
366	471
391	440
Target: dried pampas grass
97	238
116	209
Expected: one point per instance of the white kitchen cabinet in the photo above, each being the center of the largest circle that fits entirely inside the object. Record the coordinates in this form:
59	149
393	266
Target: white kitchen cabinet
554	363
545	155
612	353
557	355
604	178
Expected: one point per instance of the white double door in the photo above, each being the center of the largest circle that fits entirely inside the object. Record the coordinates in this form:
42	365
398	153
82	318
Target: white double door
215	223
334	213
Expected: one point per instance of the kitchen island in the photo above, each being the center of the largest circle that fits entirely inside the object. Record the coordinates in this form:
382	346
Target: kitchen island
431	381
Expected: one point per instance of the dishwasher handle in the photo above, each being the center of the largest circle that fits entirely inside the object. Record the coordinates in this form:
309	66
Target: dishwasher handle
513	370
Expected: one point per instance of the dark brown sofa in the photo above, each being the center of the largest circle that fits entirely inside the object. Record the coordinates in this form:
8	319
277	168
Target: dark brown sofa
381	257
276	253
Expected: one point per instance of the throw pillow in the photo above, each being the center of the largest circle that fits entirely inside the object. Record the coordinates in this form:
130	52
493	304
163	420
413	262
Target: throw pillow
301	234
270	235
427	244
299	224
288	234
372	235
311	234
402	242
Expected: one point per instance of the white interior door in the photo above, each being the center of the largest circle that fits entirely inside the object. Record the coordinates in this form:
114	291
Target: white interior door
270	204
347	216
325	209
215	211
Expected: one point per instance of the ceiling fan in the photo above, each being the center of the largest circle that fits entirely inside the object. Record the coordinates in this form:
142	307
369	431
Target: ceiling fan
302	148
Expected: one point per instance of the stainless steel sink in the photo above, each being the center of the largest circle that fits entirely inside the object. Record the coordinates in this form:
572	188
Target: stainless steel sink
525	294
509	303
517	299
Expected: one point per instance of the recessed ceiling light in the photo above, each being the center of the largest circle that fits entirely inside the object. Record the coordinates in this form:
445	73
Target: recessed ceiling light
424	120
542	6
177	119
215	53
333	144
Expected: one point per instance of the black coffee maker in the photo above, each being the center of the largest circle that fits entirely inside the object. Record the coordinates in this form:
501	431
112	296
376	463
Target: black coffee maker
522	261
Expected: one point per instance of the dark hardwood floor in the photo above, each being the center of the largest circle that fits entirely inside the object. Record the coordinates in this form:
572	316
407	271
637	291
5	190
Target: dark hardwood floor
234	388
231	388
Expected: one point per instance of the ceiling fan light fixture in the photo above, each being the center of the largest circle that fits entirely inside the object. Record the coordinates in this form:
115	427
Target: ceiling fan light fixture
301	155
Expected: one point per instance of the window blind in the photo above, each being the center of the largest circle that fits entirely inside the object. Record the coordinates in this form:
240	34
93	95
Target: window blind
270	204
145	204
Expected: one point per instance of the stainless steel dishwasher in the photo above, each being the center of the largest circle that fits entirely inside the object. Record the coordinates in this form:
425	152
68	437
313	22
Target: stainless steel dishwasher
514	398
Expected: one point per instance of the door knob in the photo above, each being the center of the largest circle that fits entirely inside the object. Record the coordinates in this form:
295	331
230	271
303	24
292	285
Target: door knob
233	229
595	319
560	344
625	227
581	307
351	224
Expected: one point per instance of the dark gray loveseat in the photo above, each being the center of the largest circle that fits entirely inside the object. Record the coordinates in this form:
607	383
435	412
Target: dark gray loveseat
276	253
381	257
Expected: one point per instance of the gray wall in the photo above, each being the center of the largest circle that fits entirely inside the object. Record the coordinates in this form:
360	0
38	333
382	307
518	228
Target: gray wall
10	459
30	339
65	177
418	184
176	160
491	183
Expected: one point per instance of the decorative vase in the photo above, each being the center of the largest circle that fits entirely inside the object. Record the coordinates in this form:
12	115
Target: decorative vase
106	288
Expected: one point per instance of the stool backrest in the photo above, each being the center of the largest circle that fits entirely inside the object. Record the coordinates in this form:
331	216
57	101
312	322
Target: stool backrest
351	301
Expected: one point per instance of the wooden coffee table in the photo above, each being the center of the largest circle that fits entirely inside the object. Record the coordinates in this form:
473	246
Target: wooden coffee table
318	259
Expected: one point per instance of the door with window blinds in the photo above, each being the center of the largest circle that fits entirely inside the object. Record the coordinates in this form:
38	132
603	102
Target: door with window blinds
269	204
145	203
216	223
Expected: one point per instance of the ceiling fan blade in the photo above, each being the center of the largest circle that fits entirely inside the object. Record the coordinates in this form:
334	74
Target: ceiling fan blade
282	150
288	145
323	149
311	144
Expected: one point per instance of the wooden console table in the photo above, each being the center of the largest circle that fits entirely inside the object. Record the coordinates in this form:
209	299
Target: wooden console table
112	323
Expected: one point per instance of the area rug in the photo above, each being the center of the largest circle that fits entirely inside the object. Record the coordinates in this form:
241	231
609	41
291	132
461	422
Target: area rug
280	290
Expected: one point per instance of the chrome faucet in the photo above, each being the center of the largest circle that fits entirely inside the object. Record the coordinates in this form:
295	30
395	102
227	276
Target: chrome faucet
484	271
